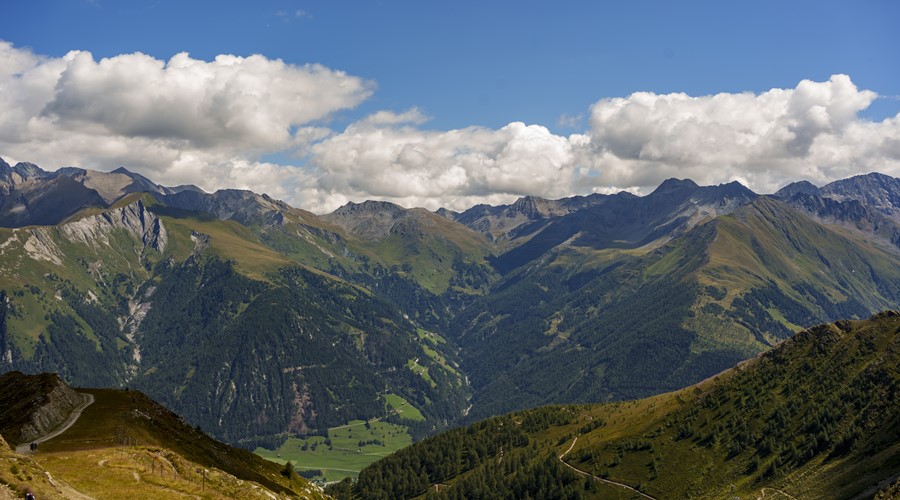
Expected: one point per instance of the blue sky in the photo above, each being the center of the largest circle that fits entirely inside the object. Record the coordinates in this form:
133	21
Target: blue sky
490	64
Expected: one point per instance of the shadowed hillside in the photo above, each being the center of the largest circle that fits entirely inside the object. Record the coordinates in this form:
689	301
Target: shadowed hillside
818	416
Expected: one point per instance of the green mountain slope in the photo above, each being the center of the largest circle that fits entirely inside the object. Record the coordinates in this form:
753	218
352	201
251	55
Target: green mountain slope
245	340
818	416
606	325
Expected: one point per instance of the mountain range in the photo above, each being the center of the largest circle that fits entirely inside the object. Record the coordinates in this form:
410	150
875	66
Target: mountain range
259	321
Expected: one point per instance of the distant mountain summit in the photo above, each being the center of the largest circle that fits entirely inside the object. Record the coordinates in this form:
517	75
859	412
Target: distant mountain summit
31	196
875	190
869	203
795	188
534	227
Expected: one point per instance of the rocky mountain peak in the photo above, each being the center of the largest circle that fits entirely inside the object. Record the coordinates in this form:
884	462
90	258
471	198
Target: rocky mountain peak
19	173
673	184
239	205
368	207
879	191
372	220
447	213
795	188
530	206
71	171
29	171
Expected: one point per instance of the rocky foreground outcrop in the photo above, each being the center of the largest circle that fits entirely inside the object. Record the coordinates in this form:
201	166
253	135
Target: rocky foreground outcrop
33	405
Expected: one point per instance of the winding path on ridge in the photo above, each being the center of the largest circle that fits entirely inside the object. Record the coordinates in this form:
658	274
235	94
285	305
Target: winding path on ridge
588	474
25	448
778	492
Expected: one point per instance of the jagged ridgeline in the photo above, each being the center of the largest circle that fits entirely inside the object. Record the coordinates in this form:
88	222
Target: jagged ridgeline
259	321
817	417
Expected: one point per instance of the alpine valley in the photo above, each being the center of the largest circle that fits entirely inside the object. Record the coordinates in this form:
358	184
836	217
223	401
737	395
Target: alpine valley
263	323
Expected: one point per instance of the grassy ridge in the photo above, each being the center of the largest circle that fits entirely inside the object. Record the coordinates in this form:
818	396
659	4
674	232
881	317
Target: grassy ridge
128	418
125	445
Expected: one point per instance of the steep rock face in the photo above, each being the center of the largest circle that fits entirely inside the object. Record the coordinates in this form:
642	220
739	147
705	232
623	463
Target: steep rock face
40	246
96	230
33	405
879	191
134	218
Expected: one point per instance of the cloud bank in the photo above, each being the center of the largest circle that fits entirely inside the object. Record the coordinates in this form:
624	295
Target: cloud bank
178	121
213	123
765	140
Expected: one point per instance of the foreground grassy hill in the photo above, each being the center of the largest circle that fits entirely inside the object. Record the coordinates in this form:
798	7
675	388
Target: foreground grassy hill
125	445
818	416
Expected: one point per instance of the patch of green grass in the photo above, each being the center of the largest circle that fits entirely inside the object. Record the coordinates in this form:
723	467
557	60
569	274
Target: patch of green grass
420	370
434	355
430	337
230	241
343	456
778	316
28	318
403	408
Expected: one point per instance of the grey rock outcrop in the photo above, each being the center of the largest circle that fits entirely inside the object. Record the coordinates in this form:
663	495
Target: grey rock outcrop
134	218
33	405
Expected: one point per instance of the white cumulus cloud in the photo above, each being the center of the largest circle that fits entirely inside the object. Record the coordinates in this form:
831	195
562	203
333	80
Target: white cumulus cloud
811	132
220	123
181	120
764	140
388	156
